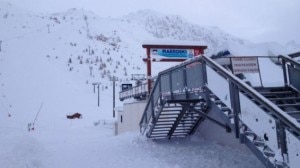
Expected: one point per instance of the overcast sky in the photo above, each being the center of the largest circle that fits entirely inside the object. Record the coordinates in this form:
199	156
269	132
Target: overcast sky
255	20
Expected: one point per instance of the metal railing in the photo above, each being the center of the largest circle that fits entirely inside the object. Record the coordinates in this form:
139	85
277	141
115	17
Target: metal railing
190	76
136	91
179	82
291	70
190	79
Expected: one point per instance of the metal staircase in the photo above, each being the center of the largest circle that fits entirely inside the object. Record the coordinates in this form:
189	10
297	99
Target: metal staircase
265	119
286	98
175	119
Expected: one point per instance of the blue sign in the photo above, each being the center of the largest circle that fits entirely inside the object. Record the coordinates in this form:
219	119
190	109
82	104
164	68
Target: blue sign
173	53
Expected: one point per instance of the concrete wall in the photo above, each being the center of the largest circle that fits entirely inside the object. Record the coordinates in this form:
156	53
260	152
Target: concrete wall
129	118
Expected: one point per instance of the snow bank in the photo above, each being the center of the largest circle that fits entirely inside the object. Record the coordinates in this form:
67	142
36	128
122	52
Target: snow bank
95	147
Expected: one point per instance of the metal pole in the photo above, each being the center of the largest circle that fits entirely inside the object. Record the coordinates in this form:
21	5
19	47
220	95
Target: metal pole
284	72
98	95
114	95
114	79
149	70
261	84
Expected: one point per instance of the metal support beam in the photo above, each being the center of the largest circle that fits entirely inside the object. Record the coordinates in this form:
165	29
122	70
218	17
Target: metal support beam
198	122
282	138
256	151
228	129
235	103
177	121
171	86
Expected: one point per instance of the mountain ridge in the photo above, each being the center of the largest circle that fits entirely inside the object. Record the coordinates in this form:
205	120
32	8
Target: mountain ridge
88	48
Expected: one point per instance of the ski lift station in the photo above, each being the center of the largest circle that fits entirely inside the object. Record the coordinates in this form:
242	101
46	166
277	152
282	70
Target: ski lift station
247	102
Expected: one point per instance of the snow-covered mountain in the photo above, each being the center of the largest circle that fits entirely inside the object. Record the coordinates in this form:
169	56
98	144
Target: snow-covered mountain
177	28
49	62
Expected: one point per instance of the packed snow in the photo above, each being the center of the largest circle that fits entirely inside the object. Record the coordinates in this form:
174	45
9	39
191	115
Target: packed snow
47	66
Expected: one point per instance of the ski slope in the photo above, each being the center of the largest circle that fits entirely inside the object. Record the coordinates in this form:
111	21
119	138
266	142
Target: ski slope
35	70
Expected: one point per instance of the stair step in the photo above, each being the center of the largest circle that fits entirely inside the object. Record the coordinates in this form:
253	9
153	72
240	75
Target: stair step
192	113
168	113
212	96
155	130
190	117
218	102
276	93
230	115
171	110
185	124
179	134
183	132
173	106
224	108
284	98
185	120
269	153
186	101
249	133
185	127
161	127
164	123
172	119
259	143
164	116
158	134
158	137
293	112
289	105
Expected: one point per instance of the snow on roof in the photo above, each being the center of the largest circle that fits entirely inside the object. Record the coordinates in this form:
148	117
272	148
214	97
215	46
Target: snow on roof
172	43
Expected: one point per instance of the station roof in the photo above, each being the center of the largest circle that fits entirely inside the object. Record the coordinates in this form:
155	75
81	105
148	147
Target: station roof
173	44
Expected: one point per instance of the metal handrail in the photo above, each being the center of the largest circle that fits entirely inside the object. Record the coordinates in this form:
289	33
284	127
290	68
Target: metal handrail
133	90
284	60
289	59
280	114
149	101
284	118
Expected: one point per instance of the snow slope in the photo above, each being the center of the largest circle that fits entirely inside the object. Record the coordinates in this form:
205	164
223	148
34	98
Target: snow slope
49	61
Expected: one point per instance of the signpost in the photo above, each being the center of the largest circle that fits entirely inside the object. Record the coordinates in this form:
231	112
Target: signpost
172	53
245	65
169	53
